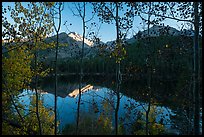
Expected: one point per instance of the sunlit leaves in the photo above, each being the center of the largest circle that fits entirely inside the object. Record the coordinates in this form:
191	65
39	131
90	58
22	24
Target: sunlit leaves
46	116
17	75
105	119
31	25
28	20
155	128
119	53
16	68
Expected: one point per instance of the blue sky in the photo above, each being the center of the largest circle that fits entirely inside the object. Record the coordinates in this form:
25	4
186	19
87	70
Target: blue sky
107	32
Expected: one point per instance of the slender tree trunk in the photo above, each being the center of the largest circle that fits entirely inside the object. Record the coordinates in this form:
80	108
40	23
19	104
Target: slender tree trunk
195	81
147	117
118	75
55	107
16	108
36	93
56	70
149	100
149	76
81	71
118	97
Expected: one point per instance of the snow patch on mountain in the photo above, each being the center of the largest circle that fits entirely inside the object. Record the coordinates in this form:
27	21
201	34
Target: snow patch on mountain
158	30
78	37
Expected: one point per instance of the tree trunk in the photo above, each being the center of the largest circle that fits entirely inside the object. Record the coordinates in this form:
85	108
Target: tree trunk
55	107
118	97
118	75
149	76
195	69
56	56
36	93
81	71
11	97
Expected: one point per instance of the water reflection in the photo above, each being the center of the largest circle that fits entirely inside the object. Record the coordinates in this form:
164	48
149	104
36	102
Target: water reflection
83	89
67	104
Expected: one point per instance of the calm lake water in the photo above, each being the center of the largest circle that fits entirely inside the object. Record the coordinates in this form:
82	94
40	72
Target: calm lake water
67	105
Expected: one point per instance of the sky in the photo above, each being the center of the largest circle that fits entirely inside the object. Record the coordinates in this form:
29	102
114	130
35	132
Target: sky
107	32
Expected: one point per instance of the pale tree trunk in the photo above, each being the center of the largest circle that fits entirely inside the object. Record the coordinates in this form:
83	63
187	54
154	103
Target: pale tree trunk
56	56
81	70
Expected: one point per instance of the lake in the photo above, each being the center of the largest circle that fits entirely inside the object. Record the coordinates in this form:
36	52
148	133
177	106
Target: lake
97	93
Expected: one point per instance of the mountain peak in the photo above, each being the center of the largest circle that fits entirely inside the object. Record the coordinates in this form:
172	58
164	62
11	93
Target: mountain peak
72	33
71	38
63	34
78	37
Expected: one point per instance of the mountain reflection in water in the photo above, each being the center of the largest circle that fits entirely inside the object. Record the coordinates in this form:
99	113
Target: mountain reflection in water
67	103
83	89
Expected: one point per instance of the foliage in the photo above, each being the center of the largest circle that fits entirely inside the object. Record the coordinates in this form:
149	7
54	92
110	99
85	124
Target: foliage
16	69
105	118
46	116
119	52
29	24
30	126
171	61
154	127
94	122
165	60
16	75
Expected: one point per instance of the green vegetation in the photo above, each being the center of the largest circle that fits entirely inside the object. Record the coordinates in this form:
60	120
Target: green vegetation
170	56
164	70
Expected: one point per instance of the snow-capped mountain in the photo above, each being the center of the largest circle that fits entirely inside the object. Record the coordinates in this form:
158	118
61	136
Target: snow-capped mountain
71	39
154	31
72	45
157	30
73	42
79	38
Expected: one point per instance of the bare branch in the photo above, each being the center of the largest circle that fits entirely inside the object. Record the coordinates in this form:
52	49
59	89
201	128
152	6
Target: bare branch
16	47
78	9
163	16
92	16
73	11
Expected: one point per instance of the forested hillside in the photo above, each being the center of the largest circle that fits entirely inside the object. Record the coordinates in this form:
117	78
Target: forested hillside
101	68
